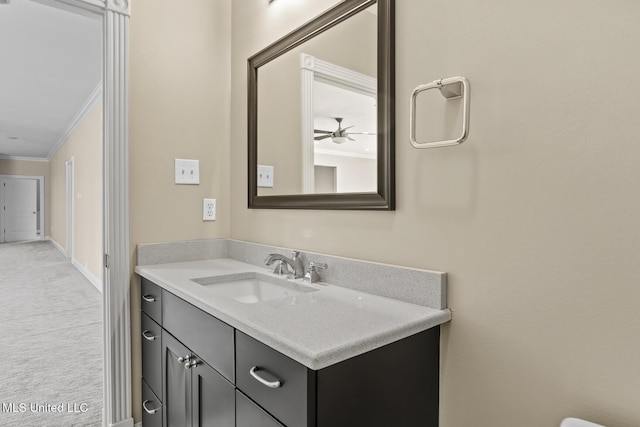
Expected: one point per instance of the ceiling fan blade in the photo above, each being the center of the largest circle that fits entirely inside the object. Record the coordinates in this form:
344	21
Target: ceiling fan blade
350	139
321	131
318	138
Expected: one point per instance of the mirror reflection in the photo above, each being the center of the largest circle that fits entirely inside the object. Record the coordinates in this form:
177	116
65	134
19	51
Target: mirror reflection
317	113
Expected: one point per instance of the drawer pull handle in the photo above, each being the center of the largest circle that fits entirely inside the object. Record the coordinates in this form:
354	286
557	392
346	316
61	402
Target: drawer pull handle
149	411
270	384
149	298
148	337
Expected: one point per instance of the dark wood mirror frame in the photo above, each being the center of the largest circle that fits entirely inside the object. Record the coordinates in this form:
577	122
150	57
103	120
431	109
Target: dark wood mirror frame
384	199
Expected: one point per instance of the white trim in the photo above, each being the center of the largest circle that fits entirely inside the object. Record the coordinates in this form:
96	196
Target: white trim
125	423
138	425
116	306
28	159
91	101
313	69
83	270
56	245
87	274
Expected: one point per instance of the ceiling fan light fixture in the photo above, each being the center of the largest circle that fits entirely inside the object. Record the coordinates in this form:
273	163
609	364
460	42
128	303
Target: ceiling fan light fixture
339	139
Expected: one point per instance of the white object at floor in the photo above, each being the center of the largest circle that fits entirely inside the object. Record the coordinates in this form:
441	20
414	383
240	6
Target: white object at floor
574	422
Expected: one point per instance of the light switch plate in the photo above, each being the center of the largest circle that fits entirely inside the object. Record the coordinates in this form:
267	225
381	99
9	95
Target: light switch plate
187	171
265	176
209	210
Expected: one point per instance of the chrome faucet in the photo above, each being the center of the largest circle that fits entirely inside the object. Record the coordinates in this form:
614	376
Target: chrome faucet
295	262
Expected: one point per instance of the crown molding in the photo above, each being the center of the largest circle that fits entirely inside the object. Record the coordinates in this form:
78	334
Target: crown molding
91	101
23	158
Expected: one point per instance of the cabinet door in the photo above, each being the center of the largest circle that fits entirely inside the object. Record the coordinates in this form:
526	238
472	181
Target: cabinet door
248	414
177	383
213	397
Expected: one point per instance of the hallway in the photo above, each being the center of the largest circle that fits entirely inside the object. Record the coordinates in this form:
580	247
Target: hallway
51	340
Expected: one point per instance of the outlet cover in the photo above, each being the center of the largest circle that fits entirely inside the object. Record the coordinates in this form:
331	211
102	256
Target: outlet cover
187	171
265	176
209	210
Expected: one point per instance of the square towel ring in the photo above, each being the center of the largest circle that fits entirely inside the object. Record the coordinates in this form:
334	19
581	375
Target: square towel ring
451	88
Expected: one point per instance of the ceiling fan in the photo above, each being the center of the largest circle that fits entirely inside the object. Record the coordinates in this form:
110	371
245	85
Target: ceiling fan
340	135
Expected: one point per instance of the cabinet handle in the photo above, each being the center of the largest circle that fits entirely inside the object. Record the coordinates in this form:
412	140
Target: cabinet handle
148	337
270	384
192	364
149	411
183	359
149	298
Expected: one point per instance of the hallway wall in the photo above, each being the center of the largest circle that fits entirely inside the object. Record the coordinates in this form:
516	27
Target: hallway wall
85	147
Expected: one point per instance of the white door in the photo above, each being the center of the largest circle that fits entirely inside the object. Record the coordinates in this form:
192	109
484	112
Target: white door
20	209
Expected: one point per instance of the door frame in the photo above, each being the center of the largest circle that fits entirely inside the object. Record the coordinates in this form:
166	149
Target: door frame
41	209
116	273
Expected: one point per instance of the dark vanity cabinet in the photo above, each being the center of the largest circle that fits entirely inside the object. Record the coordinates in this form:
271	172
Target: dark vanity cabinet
199	371
181	386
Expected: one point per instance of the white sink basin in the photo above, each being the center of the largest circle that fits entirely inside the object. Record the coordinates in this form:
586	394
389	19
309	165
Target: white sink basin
251	288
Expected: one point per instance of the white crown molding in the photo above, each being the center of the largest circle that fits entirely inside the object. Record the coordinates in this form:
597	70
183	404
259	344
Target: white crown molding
28	159
92	100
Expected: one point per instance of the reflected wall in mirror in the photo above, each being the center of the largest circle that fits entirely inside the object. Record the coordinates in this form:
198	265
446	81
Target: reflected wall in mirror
322	115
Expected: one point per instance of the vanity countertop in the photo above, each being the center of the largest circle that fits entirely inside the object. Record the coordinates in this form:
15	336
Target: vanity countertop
317	329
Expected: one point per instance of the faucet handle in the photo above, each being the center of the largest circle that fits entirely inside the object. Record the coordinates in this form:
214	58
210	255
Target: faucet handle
312	275
315	265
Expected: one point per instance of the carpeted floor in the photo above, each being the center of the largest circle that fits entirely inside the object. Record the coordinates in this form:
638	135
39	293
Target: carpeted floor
50	340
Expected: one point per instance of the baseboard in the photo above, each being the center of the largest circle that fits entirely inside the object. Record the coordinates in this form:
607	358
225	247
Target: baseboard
87	274
138	425
81	268
62	250
125	423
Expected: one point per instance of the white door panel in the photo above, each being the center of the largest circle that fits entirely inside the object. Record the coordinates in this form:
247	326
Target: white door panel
20	209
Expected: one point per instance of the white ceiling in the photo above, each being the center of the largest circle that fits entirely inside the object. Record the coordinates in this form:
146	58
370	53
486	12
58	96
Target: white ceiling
50	66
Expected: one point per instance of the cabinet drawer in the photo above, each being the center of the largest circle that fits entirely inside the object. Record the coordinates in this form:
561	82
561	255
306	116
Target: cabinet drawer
205	335
151	408
292	401
151	299
250	414
151	338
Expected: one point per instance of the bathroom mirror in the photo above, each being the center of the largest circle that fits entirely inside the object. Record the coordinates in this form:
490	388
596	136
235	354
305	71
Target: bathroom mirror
321	116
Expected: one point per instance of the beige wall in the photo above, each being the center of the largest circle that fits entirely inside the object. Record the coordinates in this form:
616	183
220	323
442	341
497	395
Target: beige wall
535	217
30	168
84	146
179	108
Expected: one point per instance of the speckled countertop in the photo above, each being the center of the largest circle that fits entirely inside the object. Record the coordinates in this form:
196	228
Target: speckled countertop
316	329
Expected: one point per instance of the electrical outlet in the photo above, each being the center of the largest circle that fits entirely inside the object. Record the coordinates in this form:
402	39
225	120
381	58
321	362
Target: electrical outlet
265	176
187	171
209	210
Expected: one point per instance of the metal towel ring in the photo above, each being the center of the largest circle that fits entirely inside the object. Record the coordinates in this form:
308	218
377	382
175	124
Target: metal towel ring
451	88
